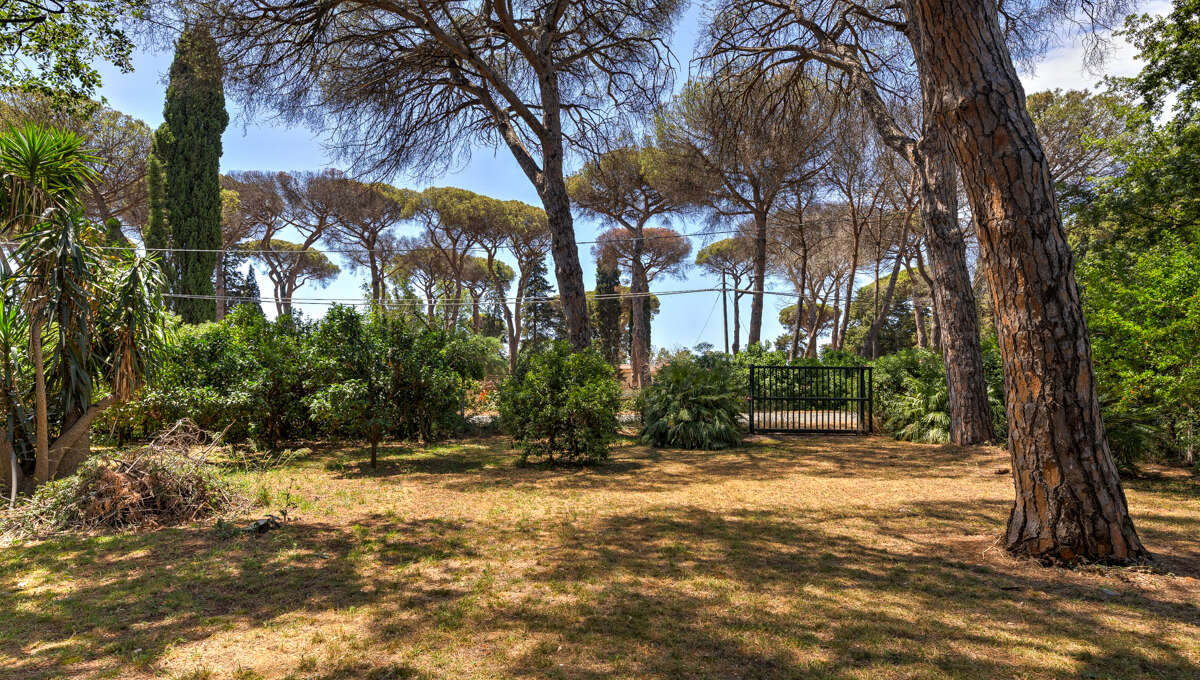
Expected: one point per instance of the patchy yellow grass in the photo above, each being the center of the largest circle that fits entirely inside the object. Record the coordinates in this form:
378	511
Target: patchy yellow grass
791	558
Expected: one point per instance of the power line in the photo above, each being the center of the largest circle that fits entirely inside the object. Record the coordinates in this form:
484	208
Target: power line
423	301
418	301
703	328
474	248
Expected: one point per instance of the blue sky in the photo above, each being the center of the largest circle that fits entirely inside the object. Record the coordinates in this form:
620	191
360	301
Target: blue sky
683	320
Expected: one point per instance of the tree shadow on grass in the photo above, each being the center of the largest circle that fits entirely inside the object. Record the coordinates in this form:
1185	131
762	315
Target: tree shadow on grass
691	593
636	468
134	596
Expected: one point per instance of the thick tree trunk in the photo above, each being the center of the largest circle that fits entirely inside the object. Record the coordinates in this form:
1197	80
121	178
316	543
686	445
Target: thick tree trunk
953	295
1070	505
759	278
552	188
74	445
567	270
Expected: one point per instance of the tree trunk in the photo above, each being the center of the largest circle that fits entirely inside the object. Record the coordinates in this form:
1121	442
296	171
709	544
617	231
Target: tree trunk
794	345
853	270
918	308
1070	505
835	339
873	334
518	326
759	278
41	470
737	319
953	295
13	476
794	350
814	328
639	342
553	191
74	444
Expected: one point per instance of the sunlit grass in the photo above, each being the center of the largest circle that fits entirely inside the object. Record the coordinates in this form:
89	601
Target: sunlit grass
791	558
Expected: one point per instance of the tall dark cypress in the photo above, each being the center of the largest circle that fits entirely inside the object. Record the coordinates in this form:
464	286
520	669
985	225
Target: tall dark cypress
191	151
608	312
157	236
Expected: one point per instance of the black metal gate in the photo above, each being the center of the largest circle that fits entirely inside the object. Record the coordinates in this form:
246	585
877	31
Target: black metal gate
816	399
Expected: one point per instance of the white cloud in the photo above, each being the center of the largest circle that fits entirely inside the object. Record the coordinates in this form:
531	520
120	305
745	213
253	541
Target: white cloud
1065	68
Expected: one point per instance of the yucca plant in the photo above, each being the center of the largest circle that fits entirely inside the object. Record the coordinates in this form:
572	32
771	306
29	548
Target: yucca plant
692	406
105	315
42	170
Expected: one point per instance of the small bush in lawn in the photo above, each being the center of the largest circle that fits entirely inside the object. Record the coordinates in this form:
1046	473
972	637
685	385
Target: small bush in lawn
693	404
169	481
561	405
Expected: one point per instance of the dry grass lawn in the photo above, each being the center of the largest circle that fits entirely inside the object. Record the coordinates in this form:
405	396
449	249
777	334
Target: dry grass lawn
790	558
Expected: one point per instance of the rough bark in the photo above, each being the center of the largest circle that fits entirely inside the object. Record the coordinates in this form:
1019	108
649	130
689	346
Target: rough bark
1070	505
557	203
953	295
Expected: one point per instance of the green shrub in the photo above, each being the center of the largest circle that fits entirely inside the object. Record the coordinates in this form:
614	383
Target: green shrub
561	405
348	374
912	399
692	404
1133	431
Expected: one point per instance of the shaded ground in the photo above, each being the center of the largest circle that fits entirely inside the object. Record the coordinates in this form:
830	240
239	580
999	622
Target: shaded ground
792	558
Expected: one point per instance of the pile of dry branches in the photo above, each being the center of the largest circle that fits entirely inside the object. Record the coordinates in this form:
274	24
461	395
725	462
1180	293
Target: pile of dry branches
167	481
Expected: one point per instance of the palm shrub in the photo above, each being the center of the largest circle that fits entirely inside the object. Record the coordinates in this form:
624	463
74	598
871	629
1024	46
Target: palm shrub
912	398
692	404
921	413
561	405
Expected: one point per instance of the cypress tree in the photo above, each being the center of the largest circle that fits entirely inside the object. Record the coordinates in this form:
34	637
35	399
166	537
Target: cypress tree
191	151
157	234
608	312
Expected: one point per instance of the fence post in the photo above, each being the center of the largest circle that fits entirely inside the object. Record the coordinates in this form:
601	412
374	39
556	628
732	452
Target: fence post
750	397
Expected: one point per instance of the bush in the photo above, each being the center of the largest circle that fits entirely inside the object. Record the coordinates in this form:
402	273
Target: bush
912	399
561	405
168	481
348	374
692	404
